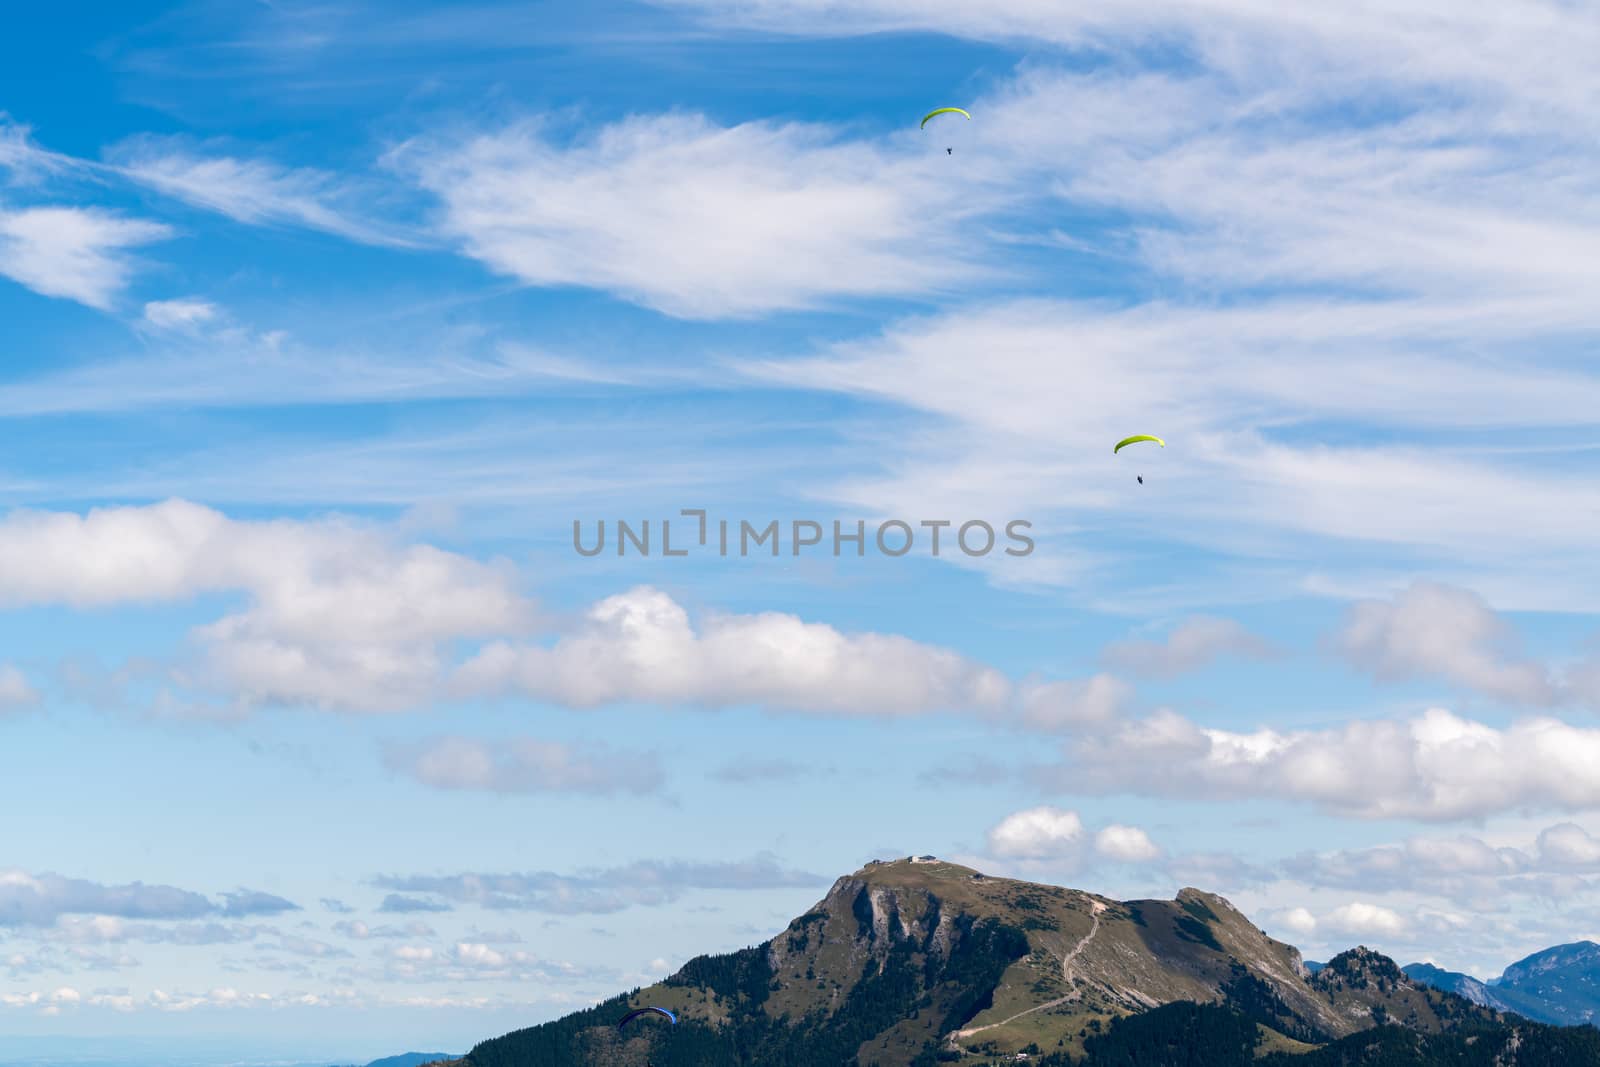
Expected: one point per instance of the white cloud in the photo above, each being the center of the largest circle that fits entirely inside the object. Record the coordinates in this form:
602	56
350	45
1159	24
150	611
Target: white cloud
1464	868
1216	380
178	314
524	765
1076	702
641	646
1193	644
699	220
1048	842
254	191
25	162
1533	56
1300	920
202	362
1432	629
1126	843
1038	833
1569	847
338	614
38	900
73	253
1436	766
1441	257
1359	919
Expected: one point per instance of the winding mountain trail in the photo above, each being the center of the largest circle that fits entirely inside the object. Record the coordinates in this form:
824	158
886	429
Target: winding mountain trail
1066	973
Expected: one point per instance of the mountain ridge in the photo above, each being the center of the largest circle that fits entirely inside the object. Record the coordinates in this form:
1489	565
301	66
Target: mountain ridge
910	963
1559	985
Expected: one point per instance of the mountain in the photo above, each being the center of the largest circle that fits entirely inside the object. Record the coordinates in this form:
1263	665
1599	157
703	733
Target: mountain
1559	985
910	964
410	1059
1462	985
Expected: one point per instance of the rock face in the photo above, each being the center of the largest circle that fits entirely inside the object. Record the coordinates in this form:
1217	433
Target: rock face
904	962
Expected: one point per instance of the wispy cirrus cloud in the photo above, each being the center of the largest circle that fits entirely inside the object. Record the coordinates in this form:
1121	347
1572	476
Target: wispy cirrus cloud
257	191
74	253
695	219
1369	41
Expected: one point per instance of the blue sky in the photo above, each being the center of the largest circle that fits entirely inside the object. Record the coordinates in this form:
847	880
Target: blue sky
324	322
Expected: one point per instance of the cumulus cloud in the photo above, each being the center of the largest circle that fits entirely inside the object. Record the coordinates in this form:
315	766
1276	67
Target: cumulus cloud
1338	926
339	615
699	220
1435	630
1560	863
524	765
1436	766
344	615
1038	833
601	891
1075	702
1048	837
1359	919
1568	846
1300	920
1126	843
1193	644
74	253
641	646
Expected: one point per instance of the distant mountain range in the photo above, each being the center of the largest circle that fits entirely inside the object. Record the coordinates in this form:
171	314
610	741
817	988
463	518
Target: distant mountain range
410	1059
919	963
1559	985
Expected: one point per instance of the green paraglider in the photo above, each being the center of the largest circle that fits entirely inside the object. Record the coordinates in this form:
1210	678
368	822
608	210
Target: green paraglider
1135	439
943	111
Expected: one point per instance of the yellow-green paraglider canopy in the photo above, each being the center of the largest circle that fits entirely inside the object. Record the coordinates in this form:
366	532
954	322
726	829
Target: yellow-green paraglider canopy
1135	439
943	111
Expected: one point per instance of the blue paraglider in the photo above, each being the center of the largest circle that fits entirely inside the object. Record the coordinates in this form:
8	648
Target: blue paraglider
673	1019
